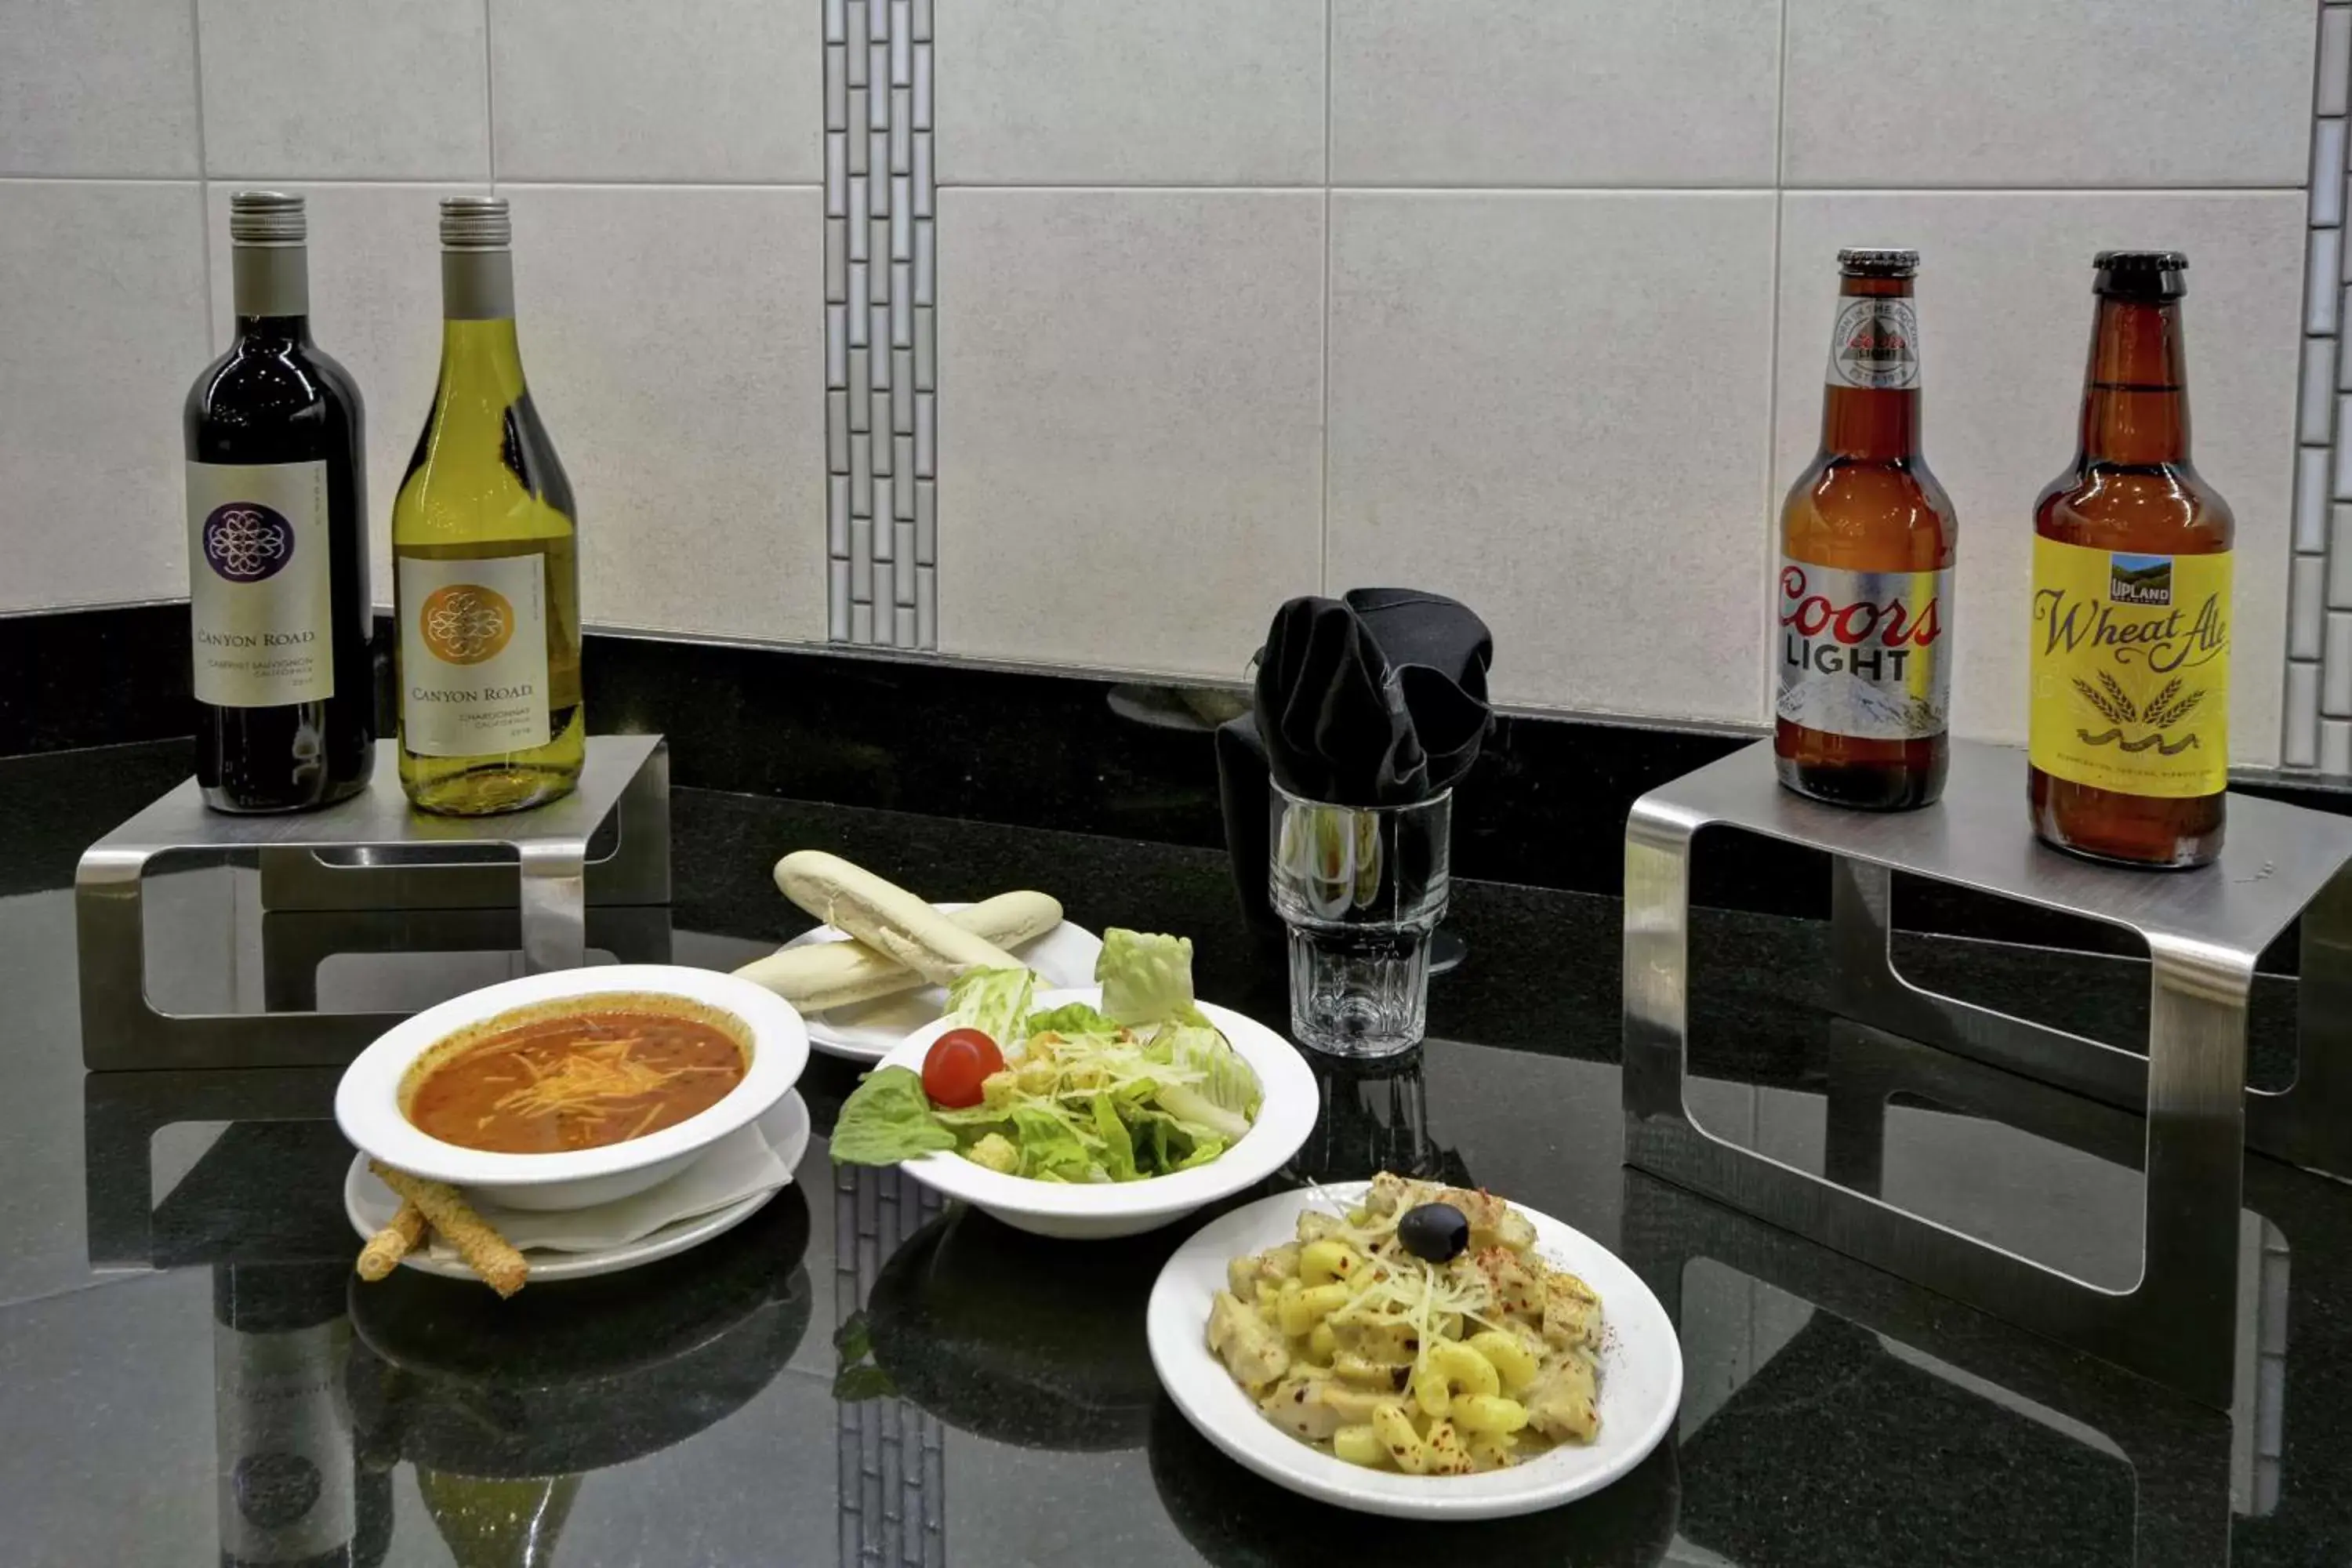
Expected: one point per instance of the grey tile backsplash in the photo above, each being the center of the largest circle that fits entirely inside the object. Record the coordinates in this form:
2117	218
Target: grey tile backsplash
1076	332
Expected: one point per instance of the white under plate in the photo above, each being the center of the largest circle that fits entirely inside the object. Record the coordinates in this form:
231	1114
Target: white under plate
1641	1376
868	1031
370	1206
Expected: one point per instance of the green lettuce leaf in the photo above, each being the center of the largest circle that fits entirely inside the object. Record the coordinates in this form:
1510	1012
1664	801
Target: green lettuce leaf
1163	1144
993	1001
1206	1150
1149	1137
1119	1148
888	1118
1227	1096
1050	1147
1211	1120
1073	1020
1146	979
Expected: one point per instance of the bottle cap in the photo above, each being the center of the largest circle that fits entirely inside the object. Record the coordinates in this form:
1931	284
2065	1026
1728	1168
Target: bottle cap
474	223
2141	274
266	217
1869	262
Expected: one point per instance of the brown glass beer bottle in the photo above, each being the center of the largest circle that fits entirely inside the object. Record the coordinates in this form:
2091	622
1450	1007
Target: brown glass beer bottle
1862	639
2130	654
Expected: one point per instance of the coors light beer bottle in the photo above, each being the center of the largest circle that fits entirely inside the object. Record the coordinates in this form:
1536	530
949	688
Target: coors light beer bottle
2130	654
1863	640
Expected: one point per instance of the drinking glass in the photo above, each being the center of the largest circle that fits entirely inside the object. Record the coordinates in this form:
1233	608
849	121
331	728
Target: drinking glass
1360	891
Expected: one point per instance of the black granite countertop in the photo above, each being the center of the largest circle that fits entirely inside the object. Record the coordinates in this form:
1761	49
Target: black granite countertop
189	1372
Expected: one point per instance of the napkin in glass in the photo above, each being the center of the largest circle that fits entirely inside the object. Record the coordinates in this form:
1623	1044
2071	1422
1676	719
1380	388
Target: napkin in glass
1378	699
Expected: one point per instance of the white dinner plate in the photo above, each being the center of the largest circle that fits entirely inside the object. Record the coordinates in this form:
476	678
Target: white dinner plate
868	1031
1641	1376
370	1206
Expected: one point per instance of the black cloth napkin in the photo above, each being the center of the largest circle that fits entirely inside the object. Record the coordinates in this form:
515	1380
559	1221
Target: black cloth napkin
1376	699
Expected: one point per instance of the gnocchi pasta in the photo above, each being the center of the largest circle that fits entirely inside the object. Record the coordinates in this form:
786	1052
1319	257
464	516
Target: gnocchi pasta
1351	1343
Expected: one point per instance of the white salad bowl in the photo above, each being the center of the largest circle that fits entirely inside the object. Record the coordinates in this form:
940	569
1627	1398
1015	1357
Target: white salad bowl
1288	1107
367	1100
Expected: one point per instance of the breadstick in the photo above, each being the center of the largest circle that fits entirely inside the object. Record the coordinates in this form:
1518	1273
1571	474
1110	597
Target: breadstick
486	1252
387	1247
885	918
826	975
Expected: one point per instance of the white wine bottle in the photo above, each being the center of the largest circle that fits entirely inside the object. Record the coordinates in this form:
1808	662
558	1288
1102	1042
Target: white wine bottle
486	566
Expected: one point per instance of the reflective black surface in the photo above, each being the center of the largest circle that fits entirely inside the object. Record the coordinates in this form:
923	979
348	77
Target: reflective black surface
187	1367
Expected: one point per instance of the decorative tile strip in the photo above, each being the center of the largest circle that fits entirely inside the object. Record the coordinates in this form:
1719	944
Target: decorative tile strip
2317	716
881	370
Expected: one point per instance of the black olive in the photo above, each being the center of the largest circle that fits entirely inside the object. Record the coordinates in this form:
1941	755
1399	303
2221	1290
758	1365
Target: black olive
1435	1232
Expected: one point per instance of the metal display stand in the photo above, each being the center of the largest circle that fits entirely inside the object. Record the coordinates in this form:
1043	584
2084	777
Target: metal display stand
2204	931
370	853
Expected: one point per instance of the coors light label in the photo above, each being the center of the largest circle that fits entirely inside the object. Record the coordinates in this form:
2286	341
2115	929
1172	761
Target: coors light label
1875	343
1864	654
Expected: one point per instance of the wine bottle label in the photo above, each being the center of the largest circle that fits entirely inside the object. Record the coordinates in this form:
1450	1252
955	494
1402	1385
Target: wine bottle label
473	654
287	1475
2130	663
1866	654
261	594
1875	343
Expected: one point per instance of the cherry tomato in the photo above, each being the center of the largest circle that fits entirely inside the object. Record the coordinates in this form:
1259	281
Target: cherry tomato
955	1064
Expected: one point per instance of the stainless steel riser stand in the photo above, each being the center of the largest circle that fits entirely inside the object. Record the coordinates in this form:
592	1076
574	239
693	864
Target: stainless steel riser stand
370	853
2204	930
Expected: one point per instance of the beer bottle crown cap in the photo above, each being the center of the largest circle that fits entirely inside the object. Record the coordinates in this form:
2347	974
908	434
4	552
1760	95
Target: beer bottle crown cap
1869	262
2141	274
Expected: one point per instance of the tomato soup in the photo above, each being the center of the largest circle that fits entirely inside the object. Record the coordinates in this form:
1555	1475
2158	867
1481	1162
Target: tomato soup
583	1077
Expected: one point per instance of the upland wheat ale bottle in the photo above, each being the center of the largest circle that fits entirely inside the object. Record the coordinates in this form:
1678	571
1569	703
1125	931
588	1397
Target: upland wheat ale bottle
1863	642
2131	598
486	565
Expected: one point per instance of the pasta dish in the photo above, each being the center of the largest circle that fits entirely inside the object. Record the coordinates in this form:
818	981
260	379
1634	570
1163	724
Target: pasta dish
1418	1333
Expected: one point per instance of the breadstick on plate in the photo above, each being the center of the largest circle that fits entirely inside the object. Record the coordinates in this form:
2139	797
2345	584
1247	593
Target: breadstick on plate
387	1247
486	1252
826	975
886	916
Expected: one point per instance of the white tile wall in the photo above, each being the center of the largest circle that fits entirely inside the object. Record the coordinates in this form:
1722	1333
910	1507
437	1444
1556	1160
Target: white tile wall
345	89
1553	407
1553	92
1081	92
620	89
97	86
1131	414
105	290
682	388
1572	396
2005	304
2029	92
375	306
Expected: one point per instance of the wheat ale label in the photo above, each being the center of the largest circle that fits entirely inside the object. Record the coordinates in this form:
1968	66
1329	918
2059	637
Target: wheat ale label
2131	669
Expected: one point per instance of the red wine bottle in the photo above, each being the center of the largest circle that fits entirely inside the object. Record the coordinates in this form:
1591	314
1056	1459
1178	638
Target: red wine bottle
278	553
